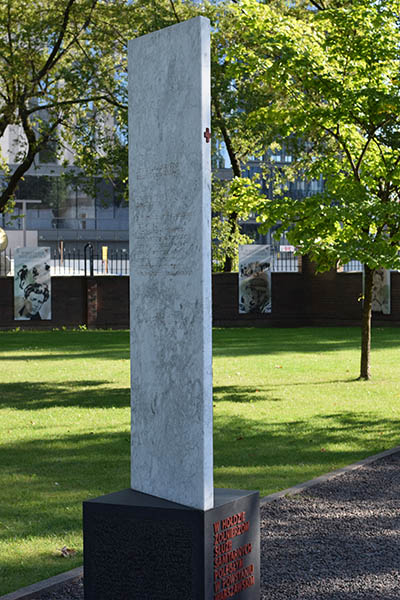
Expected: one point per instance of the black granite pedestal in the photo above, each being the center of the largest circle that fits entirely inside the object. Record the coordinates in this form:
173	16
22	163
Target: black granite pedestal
139	547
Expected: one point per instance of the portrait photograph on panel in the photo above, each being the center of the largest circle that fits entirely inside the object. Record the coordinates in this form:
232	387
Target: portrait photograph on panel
381	291
32	284
255	263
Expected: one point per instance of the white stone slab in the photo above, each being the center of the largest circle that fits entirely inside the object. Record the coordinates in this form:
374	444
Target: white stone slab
170	264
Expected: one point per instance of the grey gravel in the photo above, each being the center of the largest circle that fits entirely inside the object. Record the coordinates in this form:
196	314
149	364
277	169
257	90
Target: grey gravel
70	591
340	540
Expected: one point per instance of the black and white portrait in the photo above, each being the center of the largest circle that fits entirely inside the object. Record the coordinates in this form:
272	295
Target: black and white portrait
381	291
32	284
255	279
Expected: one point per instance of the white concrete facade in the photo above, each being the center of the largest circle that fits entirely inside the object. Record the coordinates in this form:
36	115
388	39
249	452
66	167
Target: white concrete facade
170	262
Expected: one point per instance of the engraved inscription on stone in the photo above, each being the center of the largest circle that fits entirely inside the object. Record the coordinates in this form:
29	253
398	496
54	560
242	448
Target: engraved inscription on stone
232	571
161	244
151	544
162	170
163	254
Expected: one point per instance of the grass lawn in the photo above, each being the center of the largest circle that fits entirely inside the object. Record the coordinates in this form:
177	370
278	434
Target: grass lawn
286	408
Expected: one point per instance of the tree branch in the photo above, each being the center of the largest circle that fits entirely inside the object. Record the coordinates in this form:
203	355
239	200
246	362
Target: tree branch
174	11
76	101
110	98
376	141
52	56
318	5
3	125
34	147
55	55
237	171
367	143
4	57
394	167
9	36
339	138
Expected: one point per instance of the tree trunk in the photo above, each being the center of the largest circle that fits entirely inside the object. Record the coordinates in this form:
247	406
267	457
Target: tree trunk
366	324
228	264
237	172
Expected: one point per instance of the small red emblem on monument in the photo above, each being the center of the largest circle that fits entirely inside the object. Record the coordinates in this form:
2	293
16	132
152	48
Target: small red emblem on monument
207	134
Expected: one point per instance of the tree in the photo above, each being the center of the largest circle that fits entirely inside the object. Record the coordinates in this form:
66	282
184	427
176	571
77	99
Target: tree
99	136
233	197
103	151
335	72
239	99
235	99
50	66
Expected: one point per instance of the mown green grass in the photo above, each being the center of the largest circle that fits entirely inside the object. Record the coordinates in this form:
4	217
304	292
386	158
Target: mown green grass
287	407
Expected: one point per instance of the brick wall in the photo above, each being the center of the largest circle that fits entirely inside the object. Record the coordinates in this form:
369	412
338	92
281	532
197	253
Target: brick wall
297	299
305	298
97	301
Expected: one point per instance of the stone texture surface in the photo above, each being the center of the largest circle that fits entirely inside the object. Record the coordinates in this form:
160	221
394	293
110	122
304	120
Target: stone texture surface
170	175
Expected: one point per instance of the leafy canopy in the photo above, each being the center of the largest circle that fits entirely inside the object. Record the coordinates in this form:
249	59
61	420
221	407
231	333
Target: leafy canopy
336	105
57	56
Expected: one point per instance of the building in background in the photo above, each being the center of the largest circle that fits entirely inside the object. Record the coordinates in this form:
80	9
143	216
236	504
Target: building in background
69	212
298	189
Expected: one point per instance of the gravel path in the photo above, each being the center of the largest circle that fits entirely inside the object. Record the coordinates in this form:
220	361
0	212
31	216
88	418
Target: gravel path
340	540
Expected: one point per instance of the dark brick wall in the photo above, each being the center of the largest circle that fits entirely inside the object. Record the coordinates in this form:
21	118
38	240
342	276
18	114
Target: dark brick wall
297	299
331	296
113	302
305	298
67	306
287	301
99	301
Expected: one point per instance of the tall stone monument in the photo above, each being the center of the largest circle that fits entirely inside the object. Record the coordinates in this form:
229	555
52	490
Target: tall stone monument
170	263
171	536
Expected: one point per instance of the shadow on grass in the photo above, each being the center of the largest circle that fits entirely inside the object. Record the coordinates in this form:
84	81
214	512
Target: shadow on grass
272	456
242	394
64	345
248	341
82	354
27	395
44	481
94	459
43	484
45	475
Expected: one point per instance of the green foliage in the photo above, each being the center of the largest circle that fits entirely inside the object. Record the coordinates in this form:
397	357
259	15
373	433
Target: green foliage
333	76
234	100
336	106
58	74
99	137
236	195
236	93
